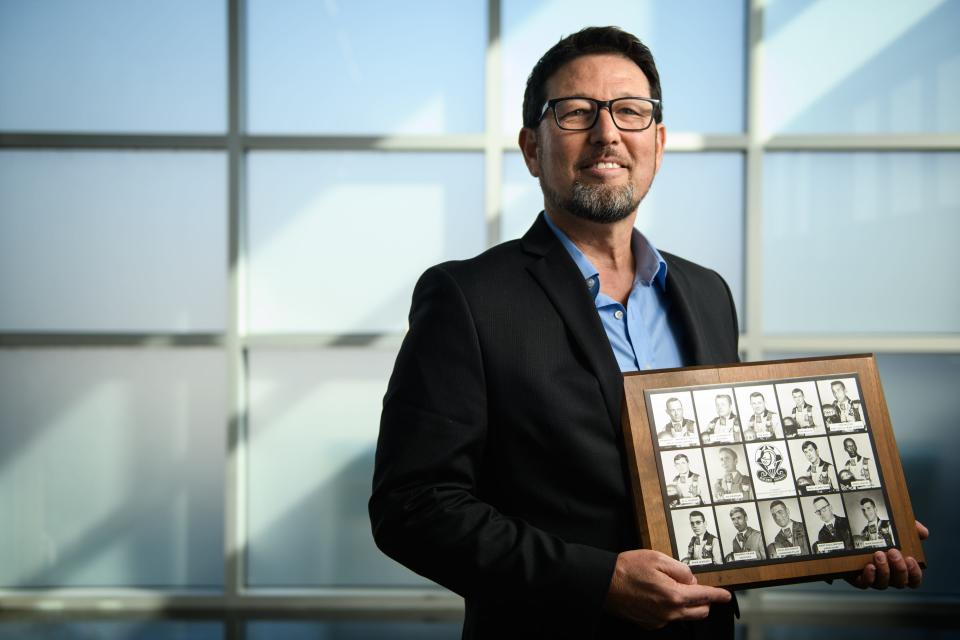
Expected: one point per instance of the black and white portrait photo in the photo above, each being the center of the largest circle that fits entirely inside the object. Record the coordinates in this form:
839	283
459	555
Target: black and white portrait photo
695	534
740	533
842	405
856	461
783	528
718	415
761	417
869	519
686	478
770	469
674	418
728	473
800	409
827	523
813	465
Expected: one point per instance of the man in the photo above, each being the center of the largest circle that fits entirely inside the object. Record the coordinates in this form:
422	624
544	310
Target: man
835	528
500	470
876	528
763	424
747	540
726	426
678	430
845	409
819	471
732	485
857	464
703	544
791	535
688	484
802	411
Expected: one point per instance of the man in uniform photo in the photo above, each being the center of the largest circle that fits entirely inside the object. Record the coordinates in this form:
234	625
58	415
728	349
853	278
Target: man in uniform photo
689	485
819	471
726	426
703	544
835	528
732	482
860	466
501	471
845	409
876	528
802	410
763	424
747	538
678	429
791	533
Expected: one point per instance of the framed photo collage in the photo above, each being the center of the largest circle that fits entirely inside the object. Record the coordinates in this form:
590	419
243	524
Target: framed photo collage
763	472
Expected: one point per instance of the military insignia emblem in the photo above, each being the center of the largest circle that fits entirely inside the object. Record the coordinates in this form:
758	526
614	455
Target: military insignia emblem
770	461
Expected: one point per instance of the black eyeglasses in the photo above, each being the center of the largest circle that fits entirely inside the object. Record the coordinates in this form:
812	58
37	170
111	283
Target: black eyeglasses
577	113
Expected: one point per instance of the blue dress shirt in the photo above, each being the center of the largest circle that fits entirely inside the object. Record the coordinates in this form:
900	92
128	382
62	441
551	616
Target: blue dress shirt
641	334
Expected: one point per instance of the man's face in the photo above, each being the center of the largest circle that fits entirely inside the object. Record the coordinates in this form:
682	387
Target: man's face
675	410
824	510
699	526
603	173
739	521
869	511
682	466
727	461
851	447
757	403
839	393
811	453
798	398
780	515
723	407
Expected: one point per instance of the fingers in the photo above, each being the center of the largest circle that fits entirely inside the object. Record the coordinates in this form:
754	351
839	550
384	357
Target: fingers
922	531
696	595
898	569
864	579
677	570
881	578
915	573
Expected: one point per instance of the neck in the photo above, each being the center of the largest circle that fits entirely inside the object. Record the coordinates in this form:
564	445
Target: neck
606	245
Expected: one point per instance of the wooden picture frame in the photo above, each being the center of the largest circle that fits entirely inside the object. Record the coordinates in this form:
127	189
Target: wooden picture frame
818	441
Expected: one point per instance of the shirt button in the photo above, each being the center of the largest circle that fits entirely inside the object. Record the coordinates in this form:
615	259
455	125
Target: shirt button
618	314
590	283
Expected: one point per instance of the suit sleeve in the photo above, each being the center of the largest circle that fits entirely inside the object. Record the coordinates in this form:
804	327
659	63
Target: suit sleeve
425	509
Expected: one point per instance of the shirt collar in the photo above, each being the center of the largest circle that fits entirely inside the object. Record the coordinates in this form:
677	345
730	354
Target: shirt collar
649	263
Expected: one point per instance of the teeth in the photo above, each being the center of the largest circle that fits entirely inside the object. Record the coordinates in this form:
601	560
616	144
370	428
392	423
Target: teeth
607	165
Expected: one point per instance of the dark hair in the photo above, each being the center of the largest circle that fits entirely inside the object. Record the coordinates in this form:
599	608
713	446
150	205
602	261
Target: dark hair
866	500
693	514
592	40
757	394
778	502
738	510
797	390
809	443
681	455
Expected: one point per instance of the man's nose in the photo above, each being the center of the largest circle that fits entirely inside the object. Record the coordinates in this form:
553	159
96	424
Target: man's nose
604	130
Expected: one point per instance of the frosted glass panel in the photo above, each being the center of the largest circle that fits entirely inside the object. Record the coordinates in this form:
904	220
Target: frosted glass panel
113	65
338	240
861	66
314	419
112	240
111	630
366	67
861	242
698	46
353	630
703	224
112	467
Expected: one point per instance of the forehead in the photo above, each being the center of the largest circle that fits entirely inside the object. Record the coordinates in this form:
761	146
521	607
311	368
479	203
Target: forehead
603	76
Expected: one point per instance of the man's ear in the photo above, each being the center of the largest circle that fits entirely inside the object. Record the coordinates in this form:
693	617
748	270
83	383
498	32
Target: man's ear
660	143
528	146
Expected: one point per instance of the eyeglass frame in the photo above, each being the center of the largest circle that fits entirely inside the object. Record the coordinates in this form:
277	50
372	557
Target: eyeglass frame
602	104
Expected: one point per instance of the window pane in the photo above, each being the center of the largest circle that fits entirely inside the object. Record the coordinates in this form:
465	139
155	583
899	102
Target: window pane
861	242
353	630
112	240
113	65
704	224
920	390
314	419
337	240
702	92
112	467
366	67
899	74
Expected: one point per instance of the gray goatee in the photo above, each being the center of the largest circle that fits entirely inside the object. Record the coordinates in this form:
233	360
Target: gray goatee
597	203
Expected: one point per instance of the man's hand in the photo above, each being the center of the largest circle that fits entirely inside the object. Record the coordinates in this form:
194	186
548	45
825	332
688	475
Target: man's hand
653	589
891	569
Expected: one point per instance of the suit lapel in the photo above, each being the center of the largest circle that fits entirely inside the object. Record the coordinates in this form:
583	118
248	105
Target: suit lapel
558	275
677	292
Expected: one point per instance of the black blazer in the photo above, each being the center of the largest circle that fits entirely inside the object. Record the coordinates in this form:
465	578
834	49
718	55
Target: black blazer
500	466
